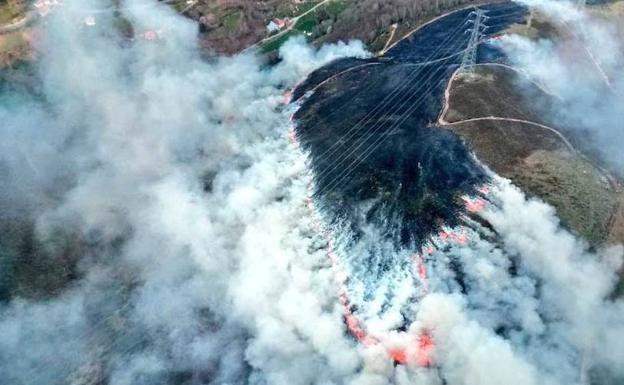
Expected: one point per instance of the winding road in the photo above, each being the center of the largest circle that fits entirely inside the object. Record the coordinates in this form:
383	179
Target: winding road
613	183
497	118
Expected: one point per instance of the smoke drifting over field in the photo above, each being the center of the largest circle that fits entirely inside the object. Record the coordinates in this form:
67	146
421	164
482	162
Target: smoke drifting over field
199	259
584	67
197	264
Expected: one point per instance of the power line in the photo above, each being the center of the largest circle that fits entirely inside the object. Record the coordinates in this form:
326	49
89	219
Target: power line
390	98
398	93
470	55
368	134
336	181
476	35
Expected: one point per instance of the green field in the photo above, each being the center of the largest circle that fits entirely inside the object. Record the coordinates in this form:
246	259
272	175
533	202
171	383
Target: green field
275	44
232	21
334	8
307	24
287	10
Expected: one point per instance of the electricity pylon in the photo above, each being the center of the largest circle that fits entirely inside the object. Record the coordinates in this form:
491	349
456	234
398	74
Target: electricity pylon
469	58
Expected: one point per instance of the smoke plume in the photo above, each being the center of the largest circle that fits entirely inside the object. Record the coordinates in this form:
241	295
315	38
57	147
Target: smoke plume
583	67
176	176
170	181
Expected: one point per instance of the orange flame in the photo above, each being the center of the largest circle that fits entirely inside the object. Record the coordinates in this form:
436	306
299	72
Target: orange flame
425	346
484	189
420	264
287	96
399	356
475	205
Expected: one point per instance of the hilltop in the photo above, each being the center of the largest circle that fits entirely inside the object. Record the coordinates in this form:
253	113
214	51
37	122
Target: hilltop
518	139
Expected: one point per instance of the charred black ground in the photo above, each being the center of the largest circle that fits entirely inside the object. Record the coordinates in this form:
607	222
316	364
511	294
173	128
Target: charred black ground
377	156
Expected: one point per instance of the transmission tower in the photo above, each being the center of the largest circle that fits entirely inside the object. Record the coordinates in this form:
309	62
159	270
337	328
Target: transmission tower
476	33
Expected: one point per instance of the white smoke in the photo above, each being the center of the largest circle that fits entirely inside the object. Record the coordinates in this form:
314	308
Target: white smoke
583	67
179	174
555	311
575	284
201	262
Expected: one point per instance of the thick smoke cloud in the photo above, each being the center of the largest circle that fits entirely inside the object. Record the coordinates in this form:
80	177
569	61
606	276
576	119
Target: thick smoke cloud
177	176
546	320
583	67
200	262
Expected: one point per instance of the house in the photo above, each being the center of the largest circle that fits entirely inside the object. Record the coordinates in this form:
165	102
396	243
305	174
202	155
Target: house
277	24
272	27
281	23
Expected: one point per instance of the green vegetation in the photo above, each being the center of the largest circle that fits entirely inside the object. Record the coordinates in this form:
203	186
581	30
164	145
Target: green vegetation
179	5
331	10
534	158
577	190
232	21
335	8
288	10
308	23
275	44
379	42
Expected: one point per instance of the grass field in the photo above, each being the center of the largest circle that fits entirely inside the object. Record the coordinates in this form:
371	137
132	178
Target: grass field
308	23
232	21
534	158
288	10
275	44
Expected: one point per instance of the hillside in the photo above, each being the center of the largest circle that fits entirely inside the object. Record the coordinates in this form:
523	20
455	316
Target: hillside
230	26
514	140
